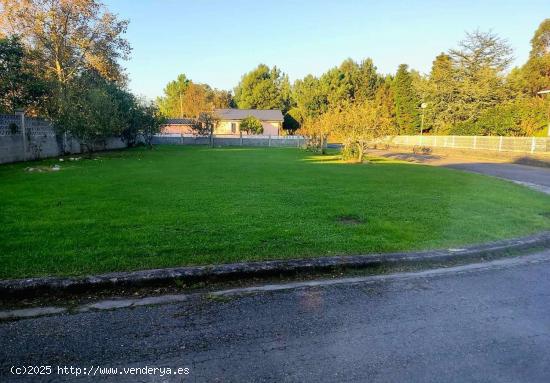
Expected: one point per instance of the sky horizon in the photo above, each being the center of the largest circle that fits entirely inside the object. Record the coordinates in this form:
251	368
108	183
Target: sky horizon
216	42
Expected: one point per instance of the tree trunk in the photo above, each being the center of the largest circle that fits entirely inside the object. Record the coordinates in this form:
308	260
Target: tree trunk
361	152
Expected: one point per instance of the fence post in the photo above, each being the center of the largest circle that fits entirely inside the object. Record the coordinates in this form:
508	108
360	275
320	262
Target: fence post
453	143
533	145
500	144
241	133
269	141
475	142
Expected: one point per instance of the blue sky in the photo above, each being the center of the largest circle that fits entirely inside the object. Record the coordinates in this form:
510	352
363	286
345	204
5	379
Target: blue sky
216	41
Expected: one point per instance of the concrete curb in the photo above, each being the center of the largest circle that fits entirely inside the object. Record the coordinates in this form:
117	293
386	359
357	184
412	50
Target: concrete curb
194	274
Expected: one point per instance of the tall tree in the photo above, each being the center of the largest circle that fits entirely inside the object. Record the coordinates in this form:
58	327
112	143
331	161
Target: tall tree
171	104
310	100
441	94
68	36
19	85
481	50
263	88
478	66
368	81
407	103
536	72
184	98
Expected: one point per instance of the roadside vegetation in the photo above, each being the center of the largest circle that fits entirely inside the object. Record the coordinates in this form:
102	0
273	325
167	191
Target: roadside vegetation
470	90
174	206
71	76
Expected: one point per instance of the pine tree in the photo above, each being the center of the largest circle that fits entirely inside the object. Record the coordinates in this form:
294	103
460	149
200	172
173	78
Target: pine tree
407	103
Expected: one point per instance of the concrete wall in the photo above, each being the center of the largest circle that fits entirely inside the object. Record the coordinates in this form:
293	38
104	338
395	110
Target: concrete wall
27	138
219	140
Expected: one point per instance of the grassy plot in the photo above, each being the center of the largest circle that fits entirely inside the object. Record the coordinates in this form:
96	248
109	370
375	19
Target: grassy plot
195	205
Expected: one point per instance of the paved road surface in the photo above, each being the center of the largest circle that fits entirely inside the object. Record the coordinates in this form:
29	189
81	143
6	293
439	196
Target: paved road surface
535	177
486	323
532	176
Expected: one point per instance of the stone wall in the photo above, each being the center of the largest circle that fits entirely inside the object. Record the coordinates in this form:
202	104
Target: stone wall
23	138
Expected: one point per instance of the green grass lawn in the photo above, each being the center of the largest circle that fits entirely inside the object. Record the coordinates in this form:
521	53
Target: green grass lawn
194	205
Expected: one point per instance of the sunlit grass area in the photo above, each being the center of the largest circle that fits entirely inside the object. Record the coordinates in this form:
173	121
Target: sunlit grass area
175	206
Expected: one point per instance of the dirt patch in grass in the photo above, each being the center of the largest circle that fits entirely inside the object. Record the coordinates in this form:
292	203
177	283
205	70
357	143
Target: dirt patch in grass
349	219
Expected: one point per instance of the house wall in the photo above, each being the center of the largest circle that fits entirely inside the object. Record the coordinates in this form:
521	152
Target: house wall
176	129
271	128
224	127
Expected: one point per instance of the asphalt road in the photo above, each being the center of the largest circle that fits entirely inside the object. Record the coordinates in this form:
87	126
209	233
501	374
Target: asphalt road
535	177
531	176
481	323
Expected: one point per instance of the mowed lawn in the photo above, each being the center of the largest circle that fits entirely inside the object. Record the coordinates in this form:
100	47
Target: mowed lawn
176	206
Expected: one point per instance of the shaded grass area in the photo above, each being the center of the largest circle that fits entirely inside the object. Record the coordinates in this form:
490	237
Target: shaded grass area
178	205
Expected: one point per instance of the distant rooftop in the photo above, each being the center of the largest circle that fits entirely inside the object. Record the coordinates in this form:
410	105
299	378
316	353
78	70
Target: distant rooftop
239	114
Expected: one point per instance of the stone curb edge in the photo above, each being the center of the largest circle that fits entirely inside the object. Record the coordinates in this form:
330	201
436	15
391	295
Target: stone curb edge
194	274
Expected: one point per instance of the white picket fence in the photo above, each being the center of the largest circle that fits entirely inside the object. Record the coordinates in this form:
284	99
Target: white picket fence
495	143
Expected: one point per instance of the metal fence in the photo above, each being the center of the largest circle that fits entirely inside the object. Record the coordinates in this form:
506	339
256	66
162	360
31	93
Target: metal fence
499	144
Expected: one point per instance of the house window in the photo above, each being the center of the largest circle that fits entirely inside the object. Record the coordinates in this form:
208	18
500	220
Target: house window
233	127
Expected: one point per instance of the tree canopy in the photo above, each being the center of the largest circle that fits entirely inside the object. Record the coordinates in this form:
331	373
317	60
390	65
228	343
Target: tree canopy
251	125
263	88
67	36
184	98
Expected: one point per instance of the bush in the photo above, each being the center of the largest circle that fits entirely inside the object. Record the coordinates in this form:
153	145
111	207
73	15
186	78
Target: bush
252	125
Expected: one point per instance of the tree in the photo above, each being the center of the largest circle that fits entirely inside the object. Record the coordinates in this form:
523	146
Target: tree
360	124
480	50
150	120
309	98
367	82
171	104
263	88
441	94
251	125
318	130
184	98
68	36
407	103
19	85
526	116
90	110
337	86
536	72
293	119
